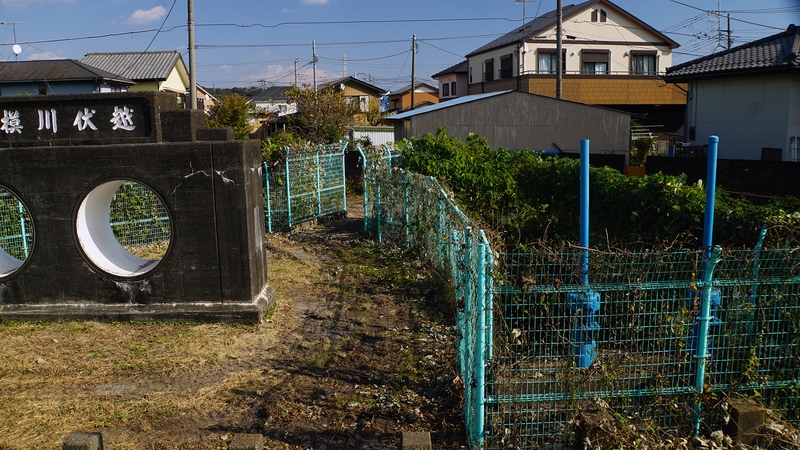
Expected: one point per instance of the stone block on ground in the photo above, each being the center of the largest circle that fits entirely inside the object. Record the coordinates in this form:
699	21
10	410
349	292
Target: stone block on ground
416	440
595	428
747	419
83	441
246	442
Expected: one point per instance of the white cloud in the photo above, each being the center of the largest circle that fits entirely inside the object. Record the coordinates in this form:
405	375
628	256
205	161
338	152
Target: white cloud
140	16
314	2
22	4
45	55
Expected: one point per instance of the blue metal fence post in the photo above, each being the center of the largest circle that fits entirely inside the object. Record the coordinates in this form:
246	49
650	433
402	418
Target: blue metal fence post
405	206
752	315
22	227
364	183
319	186
288	192
344	177
709	261
266	196
489	264
479	362
587	303
378	205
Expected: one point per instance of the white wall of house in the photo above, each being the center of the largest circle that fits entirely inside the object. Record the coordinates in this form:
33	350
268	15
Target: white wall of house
377	135
620	36
747	113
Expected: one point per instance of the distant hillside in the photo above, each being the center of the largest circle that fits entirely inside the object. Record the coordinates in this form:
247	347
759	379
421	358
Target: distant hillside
244	92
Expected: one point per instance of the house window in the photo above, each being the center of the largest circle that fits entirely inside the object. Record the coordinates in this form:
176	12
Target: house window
488	70
548	61
602	13
643	63
470	74
446	90
594	62
506	66
452	88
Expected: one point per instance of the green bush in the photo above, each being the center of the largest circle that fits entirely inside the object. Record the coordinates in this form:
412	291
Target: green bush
528	198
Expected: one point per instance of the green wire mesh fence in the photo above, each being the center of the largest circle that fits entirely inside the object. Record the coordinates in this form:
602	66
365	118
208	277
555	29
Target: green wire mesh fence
531	359
138	217
308	184
16	230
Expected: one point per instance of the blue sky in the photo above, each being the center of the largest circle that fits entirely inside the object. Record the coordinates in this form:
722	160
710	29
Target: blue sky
242	43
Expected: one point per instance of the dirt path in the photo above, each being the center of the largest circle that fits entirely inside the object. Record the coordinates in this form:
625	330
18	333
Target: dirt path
378	353
359	347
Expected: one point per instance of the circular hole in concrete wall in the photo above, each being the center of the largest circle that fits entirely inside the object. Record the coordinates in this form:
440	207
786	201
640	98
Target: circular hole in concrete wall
124	228
16	233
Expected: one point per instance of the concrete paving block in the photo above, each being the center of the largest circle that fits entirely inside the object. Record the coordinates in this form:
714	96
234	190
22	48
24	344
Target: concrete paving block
416	440
83	441
246	442
747	419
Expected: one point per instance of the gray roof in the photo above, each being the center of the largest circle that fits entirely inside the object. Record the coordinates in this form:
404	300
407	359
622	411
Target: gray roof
55	70
447	104
548	20
273	93
136	65
462	67
378	91
777	52
407	88
477	97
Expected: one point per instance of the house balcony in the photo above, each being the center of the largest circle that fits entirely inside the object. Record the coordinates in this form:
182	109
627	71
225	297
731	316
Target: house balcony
607	89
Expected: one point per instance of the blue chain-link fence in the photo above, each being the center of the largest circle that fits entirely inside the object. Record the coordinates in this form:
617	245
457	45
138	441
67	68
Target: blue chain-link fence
16	230
537	345
308	184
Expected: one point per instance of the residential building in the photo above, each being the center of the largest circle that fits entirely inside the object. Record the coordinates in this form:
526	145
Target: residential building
152	71
358	91
424	94
274	100
521	120
609	58
453	81
62	76
748	96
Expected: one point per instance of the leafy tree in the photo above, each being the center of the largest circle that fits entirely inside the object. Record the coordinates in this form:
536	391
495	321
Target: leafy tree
231	111
322	116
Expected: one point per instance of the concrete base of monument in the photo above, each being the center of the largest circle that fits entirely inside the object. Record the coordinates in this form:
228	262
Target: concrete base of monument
247	313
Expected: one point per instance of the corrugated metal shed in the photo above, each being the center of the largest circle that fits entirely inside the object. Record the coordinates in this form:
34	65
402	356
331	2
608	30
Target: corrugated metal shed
137	66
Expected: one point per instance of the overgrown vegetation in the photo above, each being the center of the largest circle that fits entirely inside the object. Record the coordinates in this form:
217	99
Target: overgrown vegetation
528	198
231	111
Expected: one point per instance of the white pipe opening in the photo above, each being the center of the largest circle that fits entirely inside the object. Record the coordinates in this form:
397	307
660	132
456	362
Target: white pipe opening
97	238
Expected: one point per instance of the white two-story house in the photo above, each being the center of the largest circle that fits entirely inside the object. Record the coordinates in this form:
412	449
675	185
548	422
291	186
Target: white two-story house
609	58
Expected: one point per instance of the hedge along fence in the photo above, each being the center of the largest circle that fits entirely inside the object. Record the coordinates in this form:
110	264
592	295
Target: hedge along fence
525	342
307	184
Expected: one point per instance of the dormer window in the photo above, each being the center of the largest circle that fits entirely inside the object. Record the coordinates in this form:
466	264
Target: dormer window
599	12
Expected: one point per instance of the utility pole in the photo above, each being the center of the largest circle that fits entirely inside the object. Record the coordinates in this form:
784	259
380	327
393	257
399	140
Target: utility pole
295	70
729	31
413	68
558	50
192	72
314	60
344	66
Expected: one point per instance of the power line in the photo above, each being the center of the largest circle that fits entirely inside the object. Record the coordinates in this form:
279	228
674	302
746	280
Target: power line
353	22
718	13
